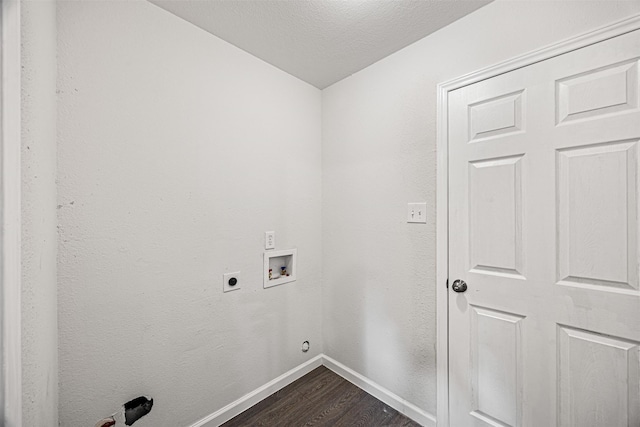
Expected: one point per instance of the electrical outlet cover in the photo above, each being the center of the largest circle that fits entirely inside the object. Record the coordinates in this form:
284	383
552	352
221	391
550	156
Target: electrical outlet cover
226	287
269	239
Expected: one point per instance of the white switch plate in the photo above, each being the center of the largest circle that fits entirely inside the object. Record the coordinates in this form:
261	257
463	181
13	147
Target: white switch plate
269	239
417	212
225	281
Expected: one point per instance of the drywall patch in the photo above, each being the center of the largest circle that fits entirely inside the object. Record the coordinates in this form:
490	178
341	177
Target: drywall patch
129	413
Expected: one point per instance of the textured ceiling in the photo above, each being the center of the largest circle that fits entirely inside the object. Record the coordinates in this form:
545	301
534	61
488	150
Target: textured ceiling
320	41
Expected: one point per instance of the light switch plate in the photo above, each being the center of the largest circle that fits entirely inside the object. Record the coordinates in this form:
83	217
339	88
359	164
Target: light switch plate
226	287
417	213
269	239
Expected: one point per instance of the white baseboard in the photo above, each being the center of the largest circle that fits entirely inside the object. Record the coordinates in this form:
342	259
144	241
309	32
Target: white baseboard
223	415
382	394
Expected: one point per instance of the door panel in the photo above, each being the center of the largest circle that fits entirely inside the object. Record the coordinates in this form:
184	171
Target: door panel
495	117
597	379
495	237
597	209
543	227
611	89
496	366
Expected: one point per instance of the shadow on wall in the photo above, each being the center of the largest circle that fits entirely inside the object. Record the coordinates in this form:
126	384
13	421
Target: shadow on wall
129	413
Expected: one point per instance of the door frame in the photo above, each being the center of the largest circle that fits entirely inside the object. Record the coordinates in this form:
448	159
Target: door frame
608	31
10	216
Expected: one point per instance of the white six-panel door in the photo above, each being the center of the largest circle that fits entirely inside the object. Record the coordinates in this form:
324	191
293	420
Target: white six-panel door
544	229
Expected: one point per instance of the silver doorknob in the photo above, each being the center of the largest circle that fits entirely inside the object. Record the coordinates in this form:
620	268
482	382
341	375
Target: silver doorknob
459	286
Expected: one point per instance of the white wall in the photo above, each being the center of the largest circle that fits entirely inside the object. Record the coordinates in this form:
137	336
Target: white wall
379	152
177	151
39	303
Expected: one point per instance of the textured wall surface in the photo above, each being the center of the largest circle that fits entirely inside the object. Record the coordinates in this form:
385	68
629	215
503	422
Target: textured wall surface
39	302
177	151
379	152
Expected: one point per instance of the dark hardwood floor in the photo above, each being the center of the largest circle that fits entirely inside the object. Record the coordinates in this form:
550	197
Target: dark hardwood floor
321	398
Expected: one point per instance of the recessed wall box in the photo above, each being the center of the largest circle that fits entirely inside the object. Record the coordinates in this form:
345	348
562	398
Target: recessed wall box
279	267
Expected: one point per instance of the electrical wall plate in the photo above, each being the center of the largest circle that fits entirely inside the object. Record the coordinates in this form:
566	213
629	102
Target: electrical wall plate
227	280
417	212
275	260
269	239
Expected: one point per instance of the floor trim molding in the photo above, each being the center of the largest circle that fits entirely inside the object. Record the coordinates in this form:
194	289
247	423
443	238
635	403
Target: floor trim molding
396	402
224	414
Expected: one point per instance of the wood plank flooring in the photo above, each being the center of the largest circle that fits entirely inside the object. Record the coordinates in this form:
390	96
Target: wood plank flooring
321	398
